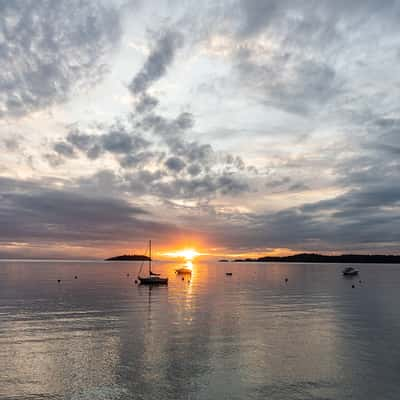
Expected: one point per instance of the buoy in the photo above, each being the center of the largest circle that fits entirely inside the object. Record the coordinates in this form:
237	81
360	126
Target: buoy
360	281
127	274
353	286
58	280
135	281
183	279
76	277
286	280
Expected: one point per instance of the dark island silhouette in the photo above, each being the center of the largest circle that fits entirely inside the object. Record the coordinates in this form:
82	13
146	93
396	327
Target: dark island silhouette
129	257
320	258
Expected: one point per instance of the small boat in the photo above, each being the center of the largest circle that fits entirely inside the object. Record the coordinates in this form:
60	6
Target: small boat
153	278
228	273
350	271
183	271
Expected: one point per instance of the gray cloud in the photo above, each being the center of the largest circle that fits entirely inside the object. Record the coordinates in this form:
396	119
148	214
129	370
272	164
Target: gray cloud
175	164
291	83
167	127
11	144
158	61
166	184
64	149
194	169
298	74
285	185
315	60
140	159
48	48
205	187
359	220
31	212
291	55
258	15
314	18
117	140
354	220
146	103
184	169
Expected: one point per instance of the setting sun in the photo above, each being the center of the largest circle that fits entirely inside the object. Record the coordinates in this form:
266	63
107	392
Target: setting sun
187	254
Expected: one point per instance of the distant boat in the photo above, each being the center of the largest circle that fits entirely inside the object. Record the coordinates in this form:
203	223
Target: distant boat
183	270
228	273
153	278
223	260
350	271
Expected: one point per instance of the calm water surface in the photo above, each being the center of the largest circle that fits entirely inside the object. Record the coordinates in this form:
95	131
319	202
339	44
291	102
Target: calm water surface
249	336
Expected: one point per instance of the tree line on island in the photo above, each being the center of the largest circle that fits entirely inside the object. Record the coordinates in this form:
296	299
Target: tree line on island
303	257
321	258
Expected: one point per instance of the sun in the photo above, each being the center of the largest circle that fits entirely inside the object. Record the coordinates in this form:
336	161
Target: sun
187	254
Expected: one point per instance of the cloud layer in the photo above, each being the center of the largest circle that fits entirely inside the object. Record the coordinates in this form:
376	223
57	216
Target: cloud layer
49	48
252	124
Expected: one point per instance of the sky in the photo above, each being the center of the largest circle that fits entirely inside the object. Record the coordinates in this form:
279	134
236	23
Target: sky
229	126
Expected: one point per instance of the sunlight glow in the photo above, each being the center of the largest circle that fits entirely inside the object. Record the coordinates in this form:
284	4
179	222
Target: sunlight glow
187	254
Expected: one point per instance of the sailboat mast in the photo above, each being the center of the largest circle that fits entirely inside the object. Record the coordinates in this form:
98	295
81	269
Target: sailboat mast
149	257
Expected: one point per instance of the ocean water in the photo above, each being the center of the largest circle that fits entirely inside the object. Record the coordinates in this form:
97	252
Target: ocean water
248	336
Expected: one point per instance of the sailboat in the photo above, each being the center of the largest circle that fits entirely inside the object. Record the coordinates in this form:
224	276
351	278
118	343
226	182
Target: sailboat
153	278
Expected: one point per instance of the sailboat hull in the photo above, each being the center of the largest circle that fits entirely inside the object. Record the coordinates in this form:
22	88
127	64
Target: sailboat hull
153	280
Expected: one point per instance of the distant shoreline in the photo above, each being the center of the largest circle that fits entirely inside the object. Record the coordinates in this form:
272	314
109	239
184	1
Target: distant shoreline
320	258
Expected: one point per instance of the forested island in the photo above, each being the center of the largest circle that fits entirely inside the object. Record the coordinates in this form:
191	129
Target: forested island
129	257
321	258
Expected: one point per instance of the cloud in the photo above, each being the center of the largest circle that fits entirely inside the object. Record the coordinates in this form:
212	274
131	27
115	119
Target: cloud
258	14
158	61
285	56
320	17
11	144
117	140
49	48
140	159
203	187
154	150
194	169
290	82
175	164
32	212
301	57
146	103
359	219
166	183
167	127
306	90
64	149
